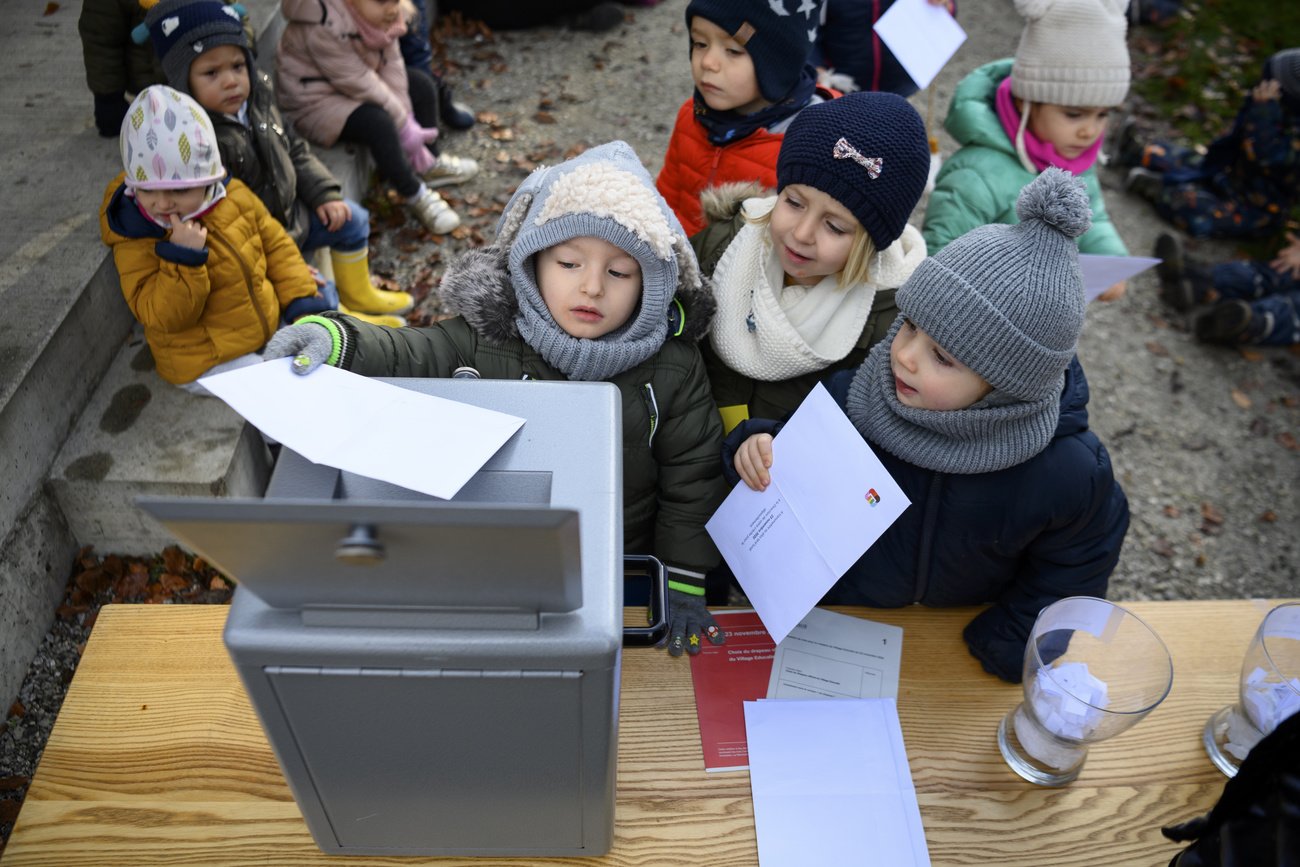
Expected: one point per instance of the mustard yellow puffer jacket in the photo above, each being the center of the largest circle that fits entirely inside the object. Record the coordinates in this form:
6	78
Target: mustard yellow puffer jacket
200	308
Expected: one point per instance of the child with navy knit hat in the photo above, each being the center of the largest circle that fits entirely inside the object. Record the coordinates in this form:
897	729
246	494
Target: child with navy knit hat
976	405
749	60
590	279
805	279
205	53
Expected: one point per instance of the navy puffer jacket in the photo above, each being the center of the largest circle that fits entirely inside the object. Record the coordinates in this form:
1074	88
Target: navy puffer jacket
1021	538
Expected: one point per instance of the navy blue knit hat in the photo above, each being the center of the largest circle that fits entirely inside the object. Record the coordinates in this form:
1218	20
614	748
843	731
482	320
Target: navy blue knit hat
181	30
868	151
777	35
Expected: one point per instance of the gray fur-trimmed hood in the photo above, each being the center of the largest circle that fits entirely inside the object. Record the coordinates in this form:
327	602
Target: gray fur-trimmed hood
477	286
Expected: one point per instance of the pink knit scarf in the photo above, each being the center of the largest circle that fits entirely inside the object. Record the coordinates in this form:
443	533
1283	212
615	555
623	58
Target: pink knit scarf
374	37
1042	154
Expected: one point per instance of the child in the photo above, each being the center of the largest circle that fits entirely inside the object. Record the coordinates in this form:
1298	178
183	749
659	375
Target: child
805	280
1253	301
580	285
340	76
977	408
114	63
1246	183
1047	107
205	54
850	55
204	266
749	59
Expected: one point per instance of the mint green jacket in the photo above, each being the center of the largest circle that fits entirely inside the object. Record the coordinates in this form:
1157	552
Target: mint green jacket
979	184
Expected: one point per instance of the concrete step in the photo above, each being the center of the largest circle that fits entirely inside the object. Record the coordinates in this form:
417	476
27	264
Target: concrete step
140	436
66	322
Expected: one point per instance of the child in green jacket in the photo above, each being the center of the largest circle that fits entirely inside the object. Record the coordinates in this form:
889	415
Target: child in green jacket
1047	107
591	278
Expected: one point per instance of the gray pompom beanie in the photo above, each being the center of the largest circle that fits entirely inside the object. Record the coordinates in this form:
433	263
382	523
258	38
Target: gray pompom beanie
1285	68
1072	52
604	193
1008	301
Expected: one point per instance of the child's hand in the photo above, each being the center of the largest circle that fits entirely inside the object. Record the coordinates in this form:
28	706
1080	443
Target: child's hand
1266	90
1288	258
316	275
1115	292
753	459
334	215
946	4
189	233
311	345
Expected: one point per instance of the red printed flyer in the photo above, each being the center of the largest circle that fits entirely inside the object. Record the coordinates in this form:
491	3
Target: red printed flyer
725	677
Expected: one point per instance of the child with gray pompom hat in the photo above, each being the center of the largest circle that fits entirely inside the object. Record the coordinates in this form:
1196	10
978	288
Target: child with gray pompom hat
976	405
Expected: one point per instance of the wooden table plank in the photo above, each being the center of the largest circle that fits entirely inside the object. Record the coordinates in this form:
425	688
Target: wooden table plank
158	759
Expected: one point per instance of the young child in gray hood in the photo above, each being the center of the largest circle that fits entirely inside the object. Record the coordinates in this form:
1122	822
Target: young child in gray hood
591	278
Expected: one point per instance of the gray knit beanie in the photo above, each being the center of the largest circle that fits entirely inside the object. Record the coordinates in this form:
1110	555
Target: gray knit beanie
1285	68
604	193
1072	52
1008	301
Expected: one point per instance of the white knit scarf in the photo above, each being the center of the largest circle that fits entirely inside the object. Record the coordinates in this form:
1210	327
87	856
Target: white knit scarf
796	329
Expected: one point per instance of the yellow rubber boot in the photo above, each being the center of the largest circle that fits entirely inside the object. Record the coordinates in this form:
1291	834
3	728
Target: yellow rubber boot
375	319
352	276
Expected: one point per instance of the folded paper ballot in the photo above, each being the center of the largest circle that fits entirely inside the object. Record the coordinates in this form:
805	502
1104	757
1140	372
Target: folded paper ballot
1102	272
829	500
343	420
921	36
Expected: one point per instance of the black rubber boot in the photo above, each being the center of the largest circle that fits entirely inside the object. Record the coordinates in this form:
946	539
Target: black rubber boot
1226	322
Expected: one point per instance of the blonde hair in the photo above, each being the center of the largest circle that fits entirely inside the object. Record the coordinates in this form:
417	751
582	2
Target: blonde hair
857	267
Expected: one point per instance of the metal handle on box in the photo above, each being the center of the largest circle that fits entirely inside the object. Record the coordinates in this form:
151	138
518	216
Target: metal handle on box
657	631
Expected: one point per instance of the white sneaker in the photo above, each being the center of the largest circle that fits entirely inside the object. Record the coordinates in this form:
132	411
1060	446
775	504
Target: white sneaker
434	212
449	170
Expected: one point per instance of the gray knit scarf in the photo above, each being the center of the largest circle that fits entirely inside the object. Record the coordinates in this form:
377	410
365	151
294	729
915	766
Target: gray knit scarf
999	431
577	357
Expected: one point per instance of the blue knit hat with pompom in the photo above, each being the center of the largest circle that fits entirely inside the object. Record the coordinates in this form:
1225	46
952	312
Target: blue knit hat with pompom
1008	301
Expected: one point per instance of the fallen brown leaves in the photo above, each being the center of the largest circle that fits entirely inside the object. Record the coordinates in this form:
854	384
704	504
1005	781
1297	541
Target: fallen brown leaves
172	577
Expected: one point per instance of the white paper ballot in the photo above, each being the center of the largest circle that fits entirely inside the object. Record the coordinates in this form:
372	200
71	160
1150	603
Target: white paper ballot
1102	272
347	421
923	38
829	500
831	784
830	655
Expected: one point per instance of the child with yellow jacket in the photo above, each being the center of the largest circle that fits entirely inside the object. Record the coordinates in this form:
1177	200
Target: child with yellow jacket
204	266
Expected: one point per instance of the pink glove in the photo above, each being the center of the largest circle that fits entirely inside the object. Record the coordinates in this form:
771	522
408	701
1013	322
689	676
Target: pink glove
413	138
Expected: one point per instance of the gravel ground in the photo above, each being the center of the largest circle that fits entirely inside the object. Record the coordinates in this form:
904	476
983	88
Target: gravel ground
1203	438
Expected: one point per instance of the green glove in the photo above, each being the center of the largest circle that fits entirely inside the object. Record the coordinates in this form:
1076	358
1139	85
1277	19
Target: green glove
689	620
312	341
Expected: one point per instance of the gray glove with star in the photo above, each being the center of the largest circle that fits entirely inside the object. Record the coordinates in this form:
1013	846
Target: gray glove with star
689	620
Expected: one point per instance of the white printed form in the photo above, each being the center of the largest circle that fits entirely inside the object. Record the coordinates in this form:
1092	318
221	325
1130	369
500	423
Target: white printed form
831	655
830	499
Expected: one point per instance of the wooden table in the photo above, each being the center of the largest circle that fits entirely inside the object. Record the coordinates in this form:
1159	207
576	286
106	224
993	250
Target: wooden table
157	758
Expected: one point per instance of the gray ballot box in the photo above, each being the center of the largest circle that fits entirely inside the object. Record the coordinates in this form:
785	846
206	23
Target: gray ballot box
440	677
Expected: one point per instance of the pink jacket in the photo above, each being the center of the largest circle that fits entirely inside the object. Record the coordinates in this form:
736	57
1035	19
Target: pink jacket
323	72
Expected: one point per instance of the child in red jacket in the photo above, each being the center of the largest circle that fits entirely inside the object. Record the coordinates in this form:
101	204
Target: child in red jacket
749	59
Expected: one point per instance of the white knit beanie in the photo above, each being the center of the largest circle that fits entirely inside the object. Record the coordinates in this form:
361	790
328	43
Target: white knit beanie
1072	52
